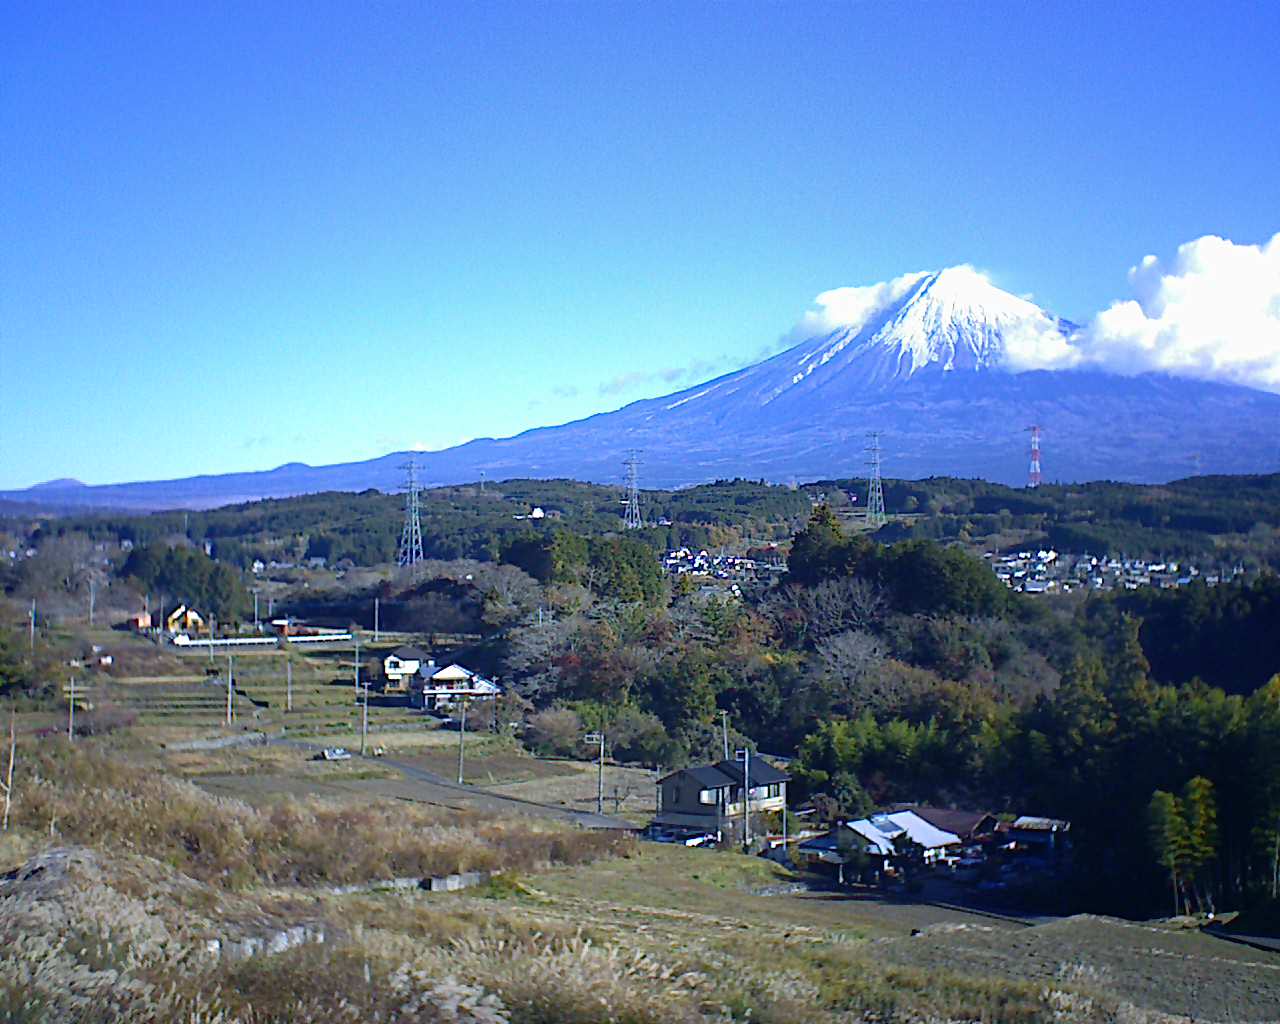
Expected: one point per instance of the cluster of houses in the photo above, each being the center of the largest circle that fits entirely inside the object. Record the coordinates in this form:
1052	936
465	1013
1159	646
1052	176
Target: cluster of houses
963	842
686	561
180	620
411	672
717	802
1049	571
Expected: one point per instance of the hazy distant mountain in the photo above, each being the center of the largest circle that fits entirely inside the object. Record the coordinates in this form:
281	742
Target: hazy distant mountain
933	368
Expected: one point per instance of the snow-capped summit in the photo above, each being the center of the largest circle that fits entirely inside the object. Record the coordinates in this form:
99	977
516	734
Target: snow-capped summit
953	319
944	321
957	319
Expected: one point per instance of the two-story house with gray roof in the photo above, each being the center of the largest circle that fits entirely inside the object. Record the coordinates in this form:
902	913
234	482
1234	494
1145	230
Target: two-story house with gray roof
709	797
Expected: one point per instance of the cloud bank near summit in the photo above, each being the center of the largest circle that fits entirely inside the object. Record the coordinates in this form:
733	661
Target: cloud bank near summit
1211	313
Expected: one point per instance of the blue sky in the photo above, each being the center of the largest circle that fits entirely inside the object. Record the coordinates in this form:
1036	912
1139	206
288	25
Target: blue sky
251	234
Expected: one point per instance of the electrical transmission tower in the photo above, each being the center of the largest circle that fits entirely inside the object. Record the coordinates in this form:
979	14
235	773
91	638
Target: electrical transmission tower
631	517
1033	475
876	516
411	536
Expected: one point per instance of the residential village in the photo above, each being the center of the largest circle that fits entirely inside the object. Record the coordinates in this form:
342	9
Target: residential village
959	854
969	854
1046	571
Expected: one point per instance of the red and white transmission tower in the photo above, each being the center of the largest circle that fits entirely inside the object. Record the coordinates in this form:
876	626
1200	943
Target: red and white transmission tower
1033	476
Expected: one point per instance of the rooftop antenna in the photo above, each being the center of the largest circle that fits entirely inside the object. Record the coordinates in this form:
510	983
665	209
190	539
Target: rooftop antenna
411	535
631	517
876	516
1033	475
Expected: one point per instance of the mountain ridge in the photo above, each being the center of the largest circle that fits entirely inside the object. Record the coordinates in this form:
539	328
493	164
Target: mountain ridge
933	361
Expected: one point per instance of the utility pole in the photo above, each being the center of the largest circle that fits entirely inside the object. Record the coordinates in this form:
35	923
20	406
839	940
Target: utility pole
13	755
256	628
288	683
462	732
744	755
229	687
375	620
92	594
724	729
32	616
356	677
364	721
598	737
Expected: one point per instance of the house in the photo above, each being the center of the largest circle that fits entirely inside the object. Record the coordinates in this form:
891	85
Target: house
440	688
139	623
401	665
1041	834
184	620
851	842
901	826
880	838
970	826
709	797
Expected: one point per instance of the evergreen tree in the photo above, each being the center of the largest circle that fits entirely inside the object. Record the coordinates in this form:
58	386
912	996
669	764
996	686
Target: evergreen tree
1200	811
1167	827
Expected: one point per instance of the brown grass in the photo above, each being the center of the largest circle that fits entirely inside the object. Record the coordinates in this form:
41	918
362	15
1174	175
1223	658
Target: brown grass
92	796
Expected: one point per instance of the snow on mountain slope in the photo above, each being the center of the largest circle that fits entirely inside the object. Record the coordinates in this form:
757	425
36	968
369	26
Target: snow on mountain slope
947	321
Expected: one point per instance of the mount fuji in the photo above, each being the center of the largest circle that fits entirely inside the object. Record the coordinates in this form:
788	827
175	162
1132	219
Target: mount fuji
935	362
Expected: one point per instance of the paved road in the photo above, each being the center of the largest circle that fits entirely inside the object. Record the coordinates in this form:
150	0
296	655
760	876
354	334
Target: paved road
1267	943
436	789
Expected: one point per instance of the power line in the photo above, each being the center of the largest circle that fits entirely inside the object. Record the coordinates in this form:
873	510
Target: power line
410	555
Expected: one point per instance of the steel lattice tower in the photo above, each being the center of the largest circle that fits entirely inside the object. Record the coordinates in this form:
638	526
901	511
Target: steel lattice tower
1033	475
411	535
631	517
876	515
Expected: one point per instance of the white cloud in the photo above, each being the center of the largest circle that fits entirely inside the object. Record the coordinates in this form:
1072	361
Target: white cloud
1213	314
852	307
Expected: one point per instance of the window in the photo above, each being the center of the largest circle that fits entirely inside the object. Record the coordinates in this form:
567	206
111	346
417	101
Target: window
707	796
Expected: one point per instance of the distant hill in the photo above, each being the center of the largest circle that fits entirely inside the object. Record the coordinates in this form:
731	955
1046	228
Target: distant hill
933	370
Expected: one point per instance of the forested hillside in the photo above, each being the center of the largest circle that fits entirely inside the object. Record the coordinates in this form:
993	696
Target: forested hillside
457	522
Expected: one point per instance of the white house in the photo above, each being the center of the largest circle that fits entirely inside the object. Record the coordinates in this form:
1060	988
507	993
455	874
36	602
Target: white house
884	836
401	665
441	688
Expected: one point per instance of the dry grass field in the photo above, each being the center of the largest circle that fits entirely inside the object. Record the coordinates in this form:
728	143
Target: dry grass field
151	899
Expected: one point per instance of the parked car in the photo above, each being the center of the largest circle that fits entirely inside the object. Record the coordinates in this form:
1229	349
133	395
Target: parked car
334	754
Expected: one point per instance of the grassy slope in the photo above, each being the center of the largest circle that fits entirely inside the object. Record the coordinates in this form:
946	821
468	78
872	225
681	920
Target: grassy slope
654	934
